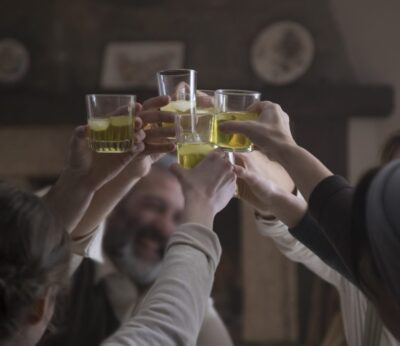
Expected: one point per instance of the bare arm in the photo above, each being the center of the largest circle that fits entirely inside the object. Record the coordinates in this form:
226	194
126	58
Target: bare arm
84	174
109	195
92	184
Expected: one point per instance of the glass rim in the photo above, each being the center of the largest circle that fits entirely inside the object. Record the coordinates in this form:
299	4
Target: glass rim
176	72
211	91
110	95
237	92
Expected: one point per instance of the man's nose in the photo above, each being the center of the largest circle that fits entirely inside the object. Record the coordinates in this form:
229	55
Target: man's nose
166	225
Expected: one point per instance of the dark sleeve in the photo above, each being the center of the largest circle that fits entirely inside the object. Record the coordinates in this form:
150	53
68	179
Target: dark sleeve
311	235
330	204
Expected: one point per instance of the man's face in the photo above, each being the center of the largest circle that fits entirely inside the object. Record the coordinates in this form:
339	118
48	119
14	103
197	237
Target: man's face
143	222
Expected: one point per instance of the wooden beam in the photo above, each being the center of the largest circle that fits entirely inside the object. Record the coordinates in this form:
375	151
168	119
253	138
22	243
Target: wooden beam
51	108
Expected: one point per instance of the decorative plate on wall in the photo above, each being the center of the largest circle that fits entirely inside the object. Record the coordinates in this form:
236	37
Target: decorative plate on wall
14	60
282	52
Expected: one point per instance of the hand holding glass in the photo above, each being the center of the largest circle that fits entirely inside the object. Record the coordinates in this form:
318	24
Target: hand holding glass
233	105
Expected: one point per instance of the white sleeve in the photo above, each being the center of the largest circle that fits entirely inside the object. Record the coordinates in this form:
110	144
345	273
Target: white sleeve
296	251
173	310
213	331
82	248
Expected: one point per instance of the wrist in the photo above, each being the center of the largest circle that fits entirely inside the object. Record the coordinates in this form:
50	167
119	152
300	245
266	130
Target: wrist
138	168
198	211
285	150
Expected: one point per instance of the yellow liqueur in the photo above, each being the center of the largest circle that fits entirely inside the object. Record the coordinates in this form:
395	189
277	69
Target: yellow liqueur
111	135
232	141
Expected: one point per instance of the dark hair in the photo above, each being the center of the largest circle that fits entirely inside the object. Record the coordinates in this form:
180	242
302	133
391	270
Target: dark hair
391	145
34	255
359	234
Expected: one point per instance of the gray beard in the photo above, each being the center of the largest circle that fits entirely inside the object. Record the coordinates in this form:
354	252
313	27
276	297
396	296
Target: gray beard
141	272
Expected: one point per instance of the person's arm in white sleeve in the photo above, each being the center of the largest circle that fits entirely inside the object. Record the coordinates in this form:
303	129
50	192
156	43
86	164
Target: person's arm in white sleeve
291	248
264	184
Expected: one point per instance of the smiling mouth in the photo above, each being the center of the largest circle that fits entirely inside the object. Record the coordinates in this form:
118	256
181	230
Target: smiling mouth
148	249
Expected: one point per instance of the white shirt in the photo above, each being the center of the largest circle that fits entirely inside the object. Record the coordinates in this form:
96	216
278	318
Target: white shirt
352	301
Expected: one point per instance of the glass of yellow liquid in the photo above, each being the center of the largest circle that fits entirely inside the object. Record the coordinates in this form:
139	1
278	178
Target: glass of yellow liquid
233	105
180	86
111	122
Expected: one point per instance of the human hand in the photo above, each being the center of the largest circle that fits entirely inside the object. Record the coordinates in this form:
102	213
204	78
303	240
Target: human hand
204	100
258	165
207	188
270	133
96	169
156	143
271	200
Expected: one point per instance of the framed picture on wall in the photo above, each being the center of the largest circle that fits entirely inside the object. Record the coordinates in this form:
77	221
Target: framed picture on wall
134	64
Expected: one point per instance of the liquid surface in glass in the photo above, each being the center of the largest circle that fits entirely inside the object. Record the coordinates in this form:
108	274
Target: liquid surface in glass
111	135
190	154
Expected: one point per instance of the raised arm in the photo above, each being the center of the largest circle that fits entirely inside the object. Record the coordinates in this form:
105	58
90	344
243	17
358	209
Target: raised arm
173	310
108	196
85	172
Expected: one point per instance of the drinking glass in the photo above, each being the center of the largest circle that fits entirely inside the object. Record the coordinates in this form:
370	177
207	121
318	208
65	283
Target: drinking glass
233	105
111	122
180	86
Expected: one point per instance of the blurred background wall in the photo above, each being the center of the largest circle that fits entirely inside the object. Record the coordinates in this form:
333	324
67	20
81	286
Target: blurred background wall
264	299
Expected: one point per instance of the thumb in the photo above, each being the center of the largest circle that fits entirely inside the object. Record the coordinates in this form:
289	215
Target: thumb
249	177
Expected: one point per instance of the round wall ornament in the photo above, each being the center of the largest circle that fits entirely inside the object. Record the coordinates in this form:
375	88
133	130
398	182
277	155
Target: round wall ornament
14	60
282	52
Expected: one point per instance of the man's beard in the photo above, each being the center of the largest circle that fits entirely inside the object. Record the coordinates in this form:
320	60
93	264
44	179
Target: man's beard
119	246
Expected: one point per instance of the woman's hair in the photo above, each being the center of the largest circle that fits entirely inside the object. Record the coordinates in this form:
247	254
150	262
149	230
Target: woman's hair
34	255
390	147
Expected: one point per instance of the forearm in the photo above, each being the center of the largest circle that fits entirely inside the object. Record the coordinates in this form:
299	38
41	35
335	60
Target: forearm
105	200
287	207
198	213
69	199
304	168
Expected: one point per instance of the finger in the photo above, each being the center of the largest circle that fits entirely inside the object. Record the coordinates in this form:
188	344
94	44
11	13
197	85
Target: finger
163	132
157	117
205	101
138	148
138	107
259	106
155	103
139	136
240	159
138	124
249	177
